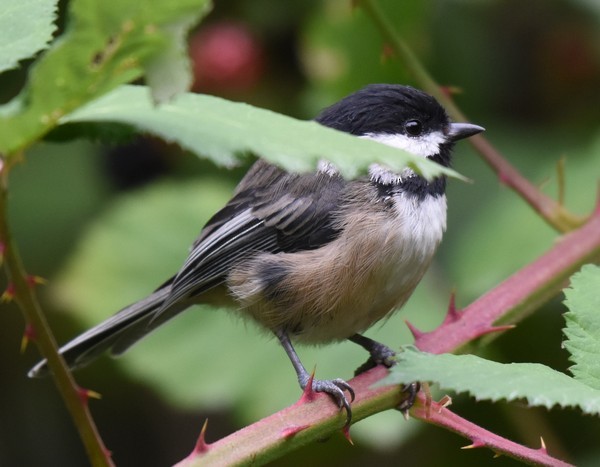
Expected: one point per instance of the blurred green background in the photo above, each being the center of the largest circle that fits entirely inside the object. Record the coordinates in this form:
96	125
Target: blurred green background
106	224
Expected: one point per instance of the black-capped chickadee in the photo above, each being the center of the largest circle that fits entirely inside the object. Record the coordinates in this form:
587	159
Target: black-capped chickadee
313	258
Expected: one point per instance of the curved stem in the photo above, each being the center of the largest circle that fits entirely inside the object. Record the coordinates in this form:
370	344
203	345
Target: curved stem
553	212
436	414
305	422
518	295
22	291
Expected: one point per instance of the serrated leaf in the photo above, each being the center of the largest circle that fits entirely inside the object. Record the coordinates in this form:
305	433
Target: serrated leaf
169	73
26	27
106	43
583	325
539	385
225	130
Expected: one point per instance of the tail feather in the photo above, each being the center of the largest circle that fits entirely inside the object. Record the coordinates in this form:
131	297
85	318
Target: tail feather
117	333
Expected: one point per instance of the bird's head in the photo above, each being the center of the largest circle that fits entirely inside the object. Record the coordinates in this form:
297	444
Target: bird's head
399	116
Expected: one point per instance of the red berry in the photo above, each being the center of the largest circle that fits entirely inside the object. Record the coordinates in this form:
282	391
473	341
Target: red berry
226	56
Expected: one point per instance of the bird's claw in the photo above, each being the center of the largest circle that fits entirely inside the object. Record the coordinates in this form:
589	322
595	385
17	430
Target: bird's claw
409	394
335	389
382	355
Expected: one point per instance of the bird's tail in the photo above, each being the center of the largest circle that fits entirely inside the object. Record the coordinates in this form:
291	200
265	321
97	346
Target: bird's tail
117	333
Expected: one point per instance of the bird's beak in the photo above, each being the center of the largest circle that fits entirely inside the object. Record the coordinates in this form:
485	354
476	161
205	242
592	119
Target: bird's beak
456	131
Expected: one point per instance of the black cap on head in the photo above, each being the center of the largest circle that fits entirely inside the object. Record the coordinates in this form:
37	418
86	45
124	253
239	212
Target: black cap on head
384	109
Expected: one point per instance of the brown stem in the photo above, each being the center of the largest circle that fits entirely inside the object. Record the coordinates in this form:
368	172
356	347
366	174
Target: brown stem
550	210
434	413
22	290
520	294
305	422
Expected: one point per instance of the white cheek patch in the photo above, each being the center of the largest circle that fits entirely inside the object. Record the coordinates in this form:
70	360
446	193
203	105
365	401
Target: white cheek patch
382	174
423	146
327	168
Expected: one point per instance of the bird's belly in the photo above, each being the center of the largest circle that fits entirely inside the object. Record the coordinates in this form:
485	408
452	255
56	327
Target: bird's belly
342	288
355	302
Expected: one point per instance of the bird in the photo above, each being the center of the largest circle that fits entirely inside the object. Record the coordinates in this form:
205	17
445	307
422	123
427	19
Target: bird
313	258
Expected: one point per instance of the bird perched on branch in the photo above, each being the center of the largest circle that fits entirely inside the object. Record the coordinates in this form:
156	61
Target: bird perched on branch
313	258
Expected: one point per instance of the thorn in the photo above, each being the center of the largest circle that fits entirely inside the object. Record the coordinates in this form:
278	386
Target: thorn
29	335
86	394
497	455
476	444
450	91
292	431
308	394
346	432
201	445
452	315
32	281
493	329
543	446
8	295
417	333
505	179
387	52
444	402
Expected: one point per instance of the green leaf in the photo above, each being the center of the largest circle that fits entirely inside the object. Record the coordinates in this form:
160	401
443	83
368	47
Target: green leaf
583	325
169	73
26	27
205	357
106	43
487	380
225	130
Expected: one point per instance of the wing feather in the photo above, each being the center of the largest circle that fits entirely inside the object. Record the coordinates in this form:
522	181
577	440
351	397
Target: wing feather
271	211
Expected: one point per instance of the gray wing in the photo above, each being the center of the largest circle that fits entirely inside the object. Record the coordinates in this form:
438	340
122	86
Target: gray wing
271	211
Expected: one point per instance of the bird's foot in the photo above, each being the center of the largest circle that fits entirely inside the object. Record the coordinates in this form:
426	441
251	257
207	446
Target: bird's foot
409	395
335	389
380	355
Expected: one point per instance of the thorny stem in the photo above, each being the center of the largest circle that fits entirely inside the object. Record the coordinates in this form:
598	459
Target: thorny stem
301	423
552	211
516	296
289	435
434	413
521	293
25	297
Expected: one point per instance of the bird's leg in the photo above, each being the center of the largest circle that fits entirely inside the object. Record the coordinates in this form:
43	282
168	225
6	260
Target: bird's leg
335	387
380	354
383	355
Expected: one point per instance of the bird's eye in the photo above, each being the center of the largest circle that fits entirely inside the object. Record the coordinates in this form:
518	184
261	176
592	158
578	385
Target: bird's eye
413	127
